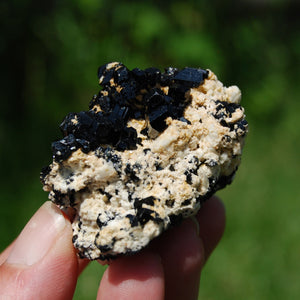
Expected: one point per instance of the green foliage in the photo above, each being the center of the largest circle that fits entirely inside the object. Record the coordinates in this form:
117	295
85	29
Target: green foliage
50	52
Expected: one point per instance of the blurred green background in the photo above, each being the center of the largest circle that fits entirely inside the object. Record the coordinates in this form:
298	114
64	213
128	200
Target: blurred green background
50	51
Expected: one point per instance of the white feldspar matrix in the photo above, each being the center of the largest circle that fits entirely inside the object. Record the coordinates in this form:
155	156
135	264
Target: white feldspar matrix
152	147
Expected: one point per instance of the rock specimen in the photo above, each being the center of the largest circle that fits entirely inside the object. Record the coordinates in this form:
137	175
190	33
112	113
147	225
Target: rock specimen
149	151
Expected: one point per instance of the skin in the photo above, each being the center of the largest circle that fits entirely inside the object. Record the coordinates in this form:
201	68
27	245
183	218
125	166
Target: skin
170	268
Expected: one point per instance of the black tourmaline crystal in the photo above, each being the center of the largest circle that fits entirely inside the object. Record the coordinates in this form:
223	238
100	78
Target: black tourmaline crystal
126	94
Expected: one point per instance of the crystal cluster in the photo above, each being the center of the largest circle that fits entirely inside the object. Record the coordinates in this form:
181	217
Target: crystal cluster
151	148
135	94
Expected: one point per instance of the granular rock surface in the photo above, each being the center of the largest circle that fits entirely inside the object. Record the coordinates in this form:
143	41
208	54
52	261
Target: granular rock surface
152	147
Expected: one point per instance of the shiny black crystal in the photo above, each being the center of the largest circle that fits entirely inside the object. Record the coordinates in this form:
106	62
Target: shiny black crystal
157	118
177	92
128	91
191	77
63	148
104	102
140	77
171	72
76	123
83	145
154	98
128	139
152	76
121	74
125	95
105	75
115	71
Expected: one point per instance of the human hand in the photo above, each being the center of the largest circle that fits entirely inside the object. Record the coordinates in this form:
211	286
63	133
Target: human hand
42	263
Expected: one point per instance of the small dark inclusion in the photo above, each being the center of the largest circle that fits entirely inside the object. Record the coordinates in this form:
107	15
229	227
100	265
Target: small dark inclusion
119	101
224	110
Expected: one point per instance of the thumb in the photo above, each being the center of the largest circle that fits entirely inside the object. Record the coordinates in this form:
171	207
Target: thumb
41	263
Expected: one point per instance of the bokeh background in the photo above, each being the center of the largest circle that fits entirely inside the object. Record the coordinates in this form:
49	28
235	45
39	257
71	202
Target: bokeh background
50	51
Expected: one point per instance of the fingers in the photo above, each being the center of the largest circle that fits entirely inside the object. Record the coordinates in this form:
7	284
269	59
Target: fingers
170	268
182	253
4	255
133	277
211	218
82	263
185	249
41	264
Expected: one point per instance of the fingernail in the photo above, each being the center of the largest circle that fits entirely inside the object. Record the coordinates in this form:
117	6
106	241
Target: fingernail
38	236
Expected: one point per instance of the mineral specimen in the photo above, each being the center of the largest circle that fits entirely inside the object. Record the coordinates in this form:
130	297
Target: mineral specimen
149	151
